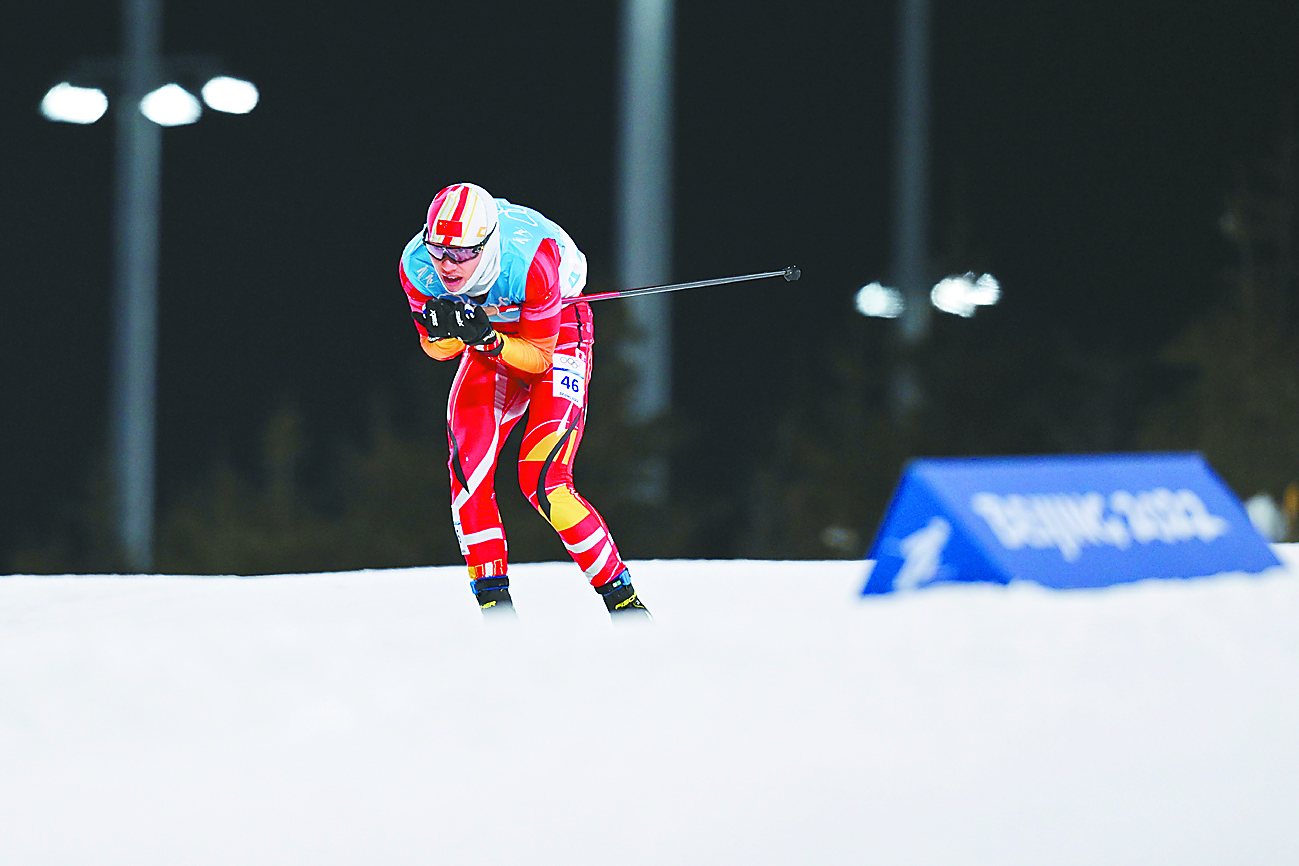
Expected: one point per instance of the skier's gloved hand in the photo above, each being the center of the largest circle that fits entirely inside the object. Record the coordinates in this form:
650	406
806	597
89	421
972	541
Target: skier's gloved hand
476	329
438	318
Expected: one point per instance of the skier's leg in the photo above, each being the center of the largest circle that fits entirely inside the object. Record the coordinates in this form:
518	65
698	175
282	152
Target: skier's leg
483	406
556	421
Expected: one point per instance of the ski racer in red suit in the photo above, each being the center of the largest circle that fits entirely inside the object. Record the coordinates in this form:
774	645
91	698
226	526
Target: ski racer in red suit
534	356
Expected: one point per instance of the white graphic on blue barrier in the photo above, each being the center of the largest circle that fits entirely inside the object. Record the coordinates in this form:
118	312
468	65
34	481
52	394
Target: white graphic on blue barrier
1069	522
922	554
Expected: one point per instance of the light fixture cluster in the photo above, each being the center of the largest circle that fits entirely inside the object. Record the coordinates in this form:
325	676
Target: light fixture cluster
959	295
169	105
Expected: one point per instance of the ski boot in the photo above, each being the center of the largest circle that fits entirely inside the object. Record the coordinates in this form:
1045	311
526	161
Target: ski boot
493	594
621	600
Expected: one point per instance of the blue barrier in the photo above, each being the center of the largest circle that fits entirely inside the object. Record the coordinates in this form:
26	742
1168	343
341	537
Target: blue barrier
1063	522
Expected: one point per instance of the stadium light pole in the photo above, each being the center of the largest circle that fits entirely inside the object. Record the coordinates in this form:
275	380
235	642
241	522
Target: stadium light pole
645	211
149	102
911	196
135	325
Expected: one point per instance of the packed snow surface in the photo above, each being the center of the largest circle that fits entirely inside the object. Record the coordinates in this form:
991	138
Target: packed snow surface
768	716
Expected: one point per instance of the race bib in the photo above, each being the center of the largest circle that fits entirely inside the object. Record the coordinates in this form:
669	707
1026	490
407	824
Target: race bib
570	378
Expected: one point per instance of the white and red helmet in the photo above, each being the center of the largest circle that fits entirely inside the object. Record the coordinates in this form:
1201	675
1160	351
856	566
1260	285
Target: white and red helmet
462	215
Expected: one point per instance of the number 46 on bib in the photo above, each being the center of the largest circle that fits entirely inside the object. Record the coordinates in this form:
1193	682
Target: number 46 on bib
570	378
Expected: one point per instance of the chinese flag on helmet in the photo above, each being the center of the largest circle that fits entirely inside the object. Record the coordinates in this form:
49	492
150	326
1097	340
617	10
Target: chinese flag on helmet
462	215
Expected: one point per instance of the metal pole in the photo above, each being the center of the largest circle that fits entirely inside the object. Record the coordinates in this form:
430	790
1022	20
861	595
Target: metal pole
911	196
645	195
645	216
139	151
911	152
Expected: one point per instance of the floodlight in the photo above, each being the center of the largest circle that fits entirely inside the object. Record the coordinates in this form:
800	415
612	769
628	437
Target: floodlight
139	152
171	105
69	104
879	301
231	95
960	295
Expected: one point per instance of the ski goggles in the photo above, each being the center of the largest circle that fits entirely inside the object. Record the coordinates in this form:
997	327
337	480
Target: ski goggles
455	254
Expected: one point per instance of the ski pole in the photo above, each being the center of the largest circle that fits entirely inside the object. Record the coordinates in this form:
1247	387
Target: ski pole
790	274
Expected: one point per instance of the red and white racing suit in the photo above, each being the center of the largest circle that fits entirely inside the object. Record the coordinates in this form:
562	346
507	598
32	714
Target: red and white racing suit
542	370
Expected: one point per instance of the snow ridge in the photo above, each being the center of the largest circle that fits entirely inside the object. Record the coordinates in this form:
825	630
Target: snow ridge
768	715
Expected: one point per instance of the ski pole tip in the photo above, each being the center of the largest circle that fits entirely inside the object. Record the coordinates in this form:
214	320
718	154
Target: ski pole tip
792	273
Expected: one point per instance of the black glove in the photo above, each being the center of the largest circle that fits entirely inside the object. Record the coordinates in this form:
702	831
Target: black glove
474	327
439	318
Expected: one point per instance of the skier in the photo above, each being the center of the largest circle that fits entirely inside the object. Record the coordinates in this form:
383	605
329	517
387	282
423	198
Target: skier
534	357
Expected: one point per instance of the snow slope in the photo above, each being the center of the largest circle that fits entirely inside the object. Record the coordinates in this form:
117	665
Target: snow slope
768	716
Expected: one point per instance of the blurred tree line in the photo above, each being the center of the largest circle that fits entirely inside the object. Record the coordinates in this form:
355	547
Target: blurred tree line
1227	385
1241	402
383	501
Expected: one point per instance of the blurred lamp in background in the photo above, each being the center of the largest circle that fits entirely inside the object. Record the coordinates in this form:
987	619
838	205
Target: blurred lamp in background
67	103
962	295
231	95
171	105
958	295
879	301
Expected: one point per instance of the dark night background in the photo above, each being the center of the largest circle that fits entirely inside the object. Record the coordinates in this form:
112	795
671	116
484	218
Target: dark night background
1082	153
